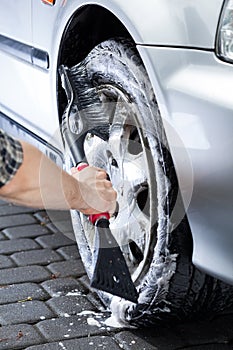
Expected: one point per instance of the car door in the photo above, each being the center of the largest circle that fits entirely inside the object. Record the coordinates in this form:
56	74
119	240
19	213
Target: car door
15	44
15	19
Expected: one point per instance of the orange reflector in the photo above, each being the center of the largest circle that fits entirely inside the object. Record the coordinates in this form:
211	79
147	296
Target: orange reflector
49	2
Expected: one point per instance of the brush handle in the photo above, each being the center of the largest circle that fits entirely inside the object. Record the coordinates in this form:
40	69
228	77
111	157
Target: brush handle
94	217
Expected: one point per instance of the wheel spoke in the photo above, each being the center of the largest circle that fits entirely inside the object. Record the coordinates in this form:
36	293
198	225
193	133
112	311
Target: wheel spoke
95	150
130	226
136	171
119	135
134	223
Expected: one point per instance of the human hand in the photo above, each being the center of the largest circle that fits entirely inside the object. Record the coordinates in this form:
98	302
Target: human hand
97	193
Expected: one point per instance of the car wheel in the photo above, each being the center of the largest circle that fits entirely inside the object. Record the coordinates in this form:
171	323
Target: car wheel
131	146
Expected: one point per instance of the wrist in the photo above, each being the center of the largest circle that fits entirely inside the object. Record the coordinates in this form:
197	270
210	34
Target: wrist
73	195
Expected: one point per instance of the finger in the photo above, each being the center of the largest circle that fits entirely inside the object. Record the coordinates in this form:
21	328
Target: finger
108	195
107	184
101	174
73	171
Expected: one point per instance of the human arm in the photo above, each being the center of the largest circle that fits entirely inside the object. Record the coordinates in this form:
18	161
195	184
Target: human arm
40	183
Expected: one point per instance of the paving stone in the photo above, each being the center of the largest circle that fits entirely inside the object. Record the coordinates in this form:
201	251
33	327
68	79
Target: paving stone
18	292
2	236
207	332
85	281
25	231
162	338
209	347
16	245
92	342
5	262
23	274
65	231
92	296
19	337
57	222
63	286
94	299
16	220
11	209
2	202
71	327
67	268
42	216
185	336
70	252
36	257
71	304
24	312
53	216
54	241
127	340
64	227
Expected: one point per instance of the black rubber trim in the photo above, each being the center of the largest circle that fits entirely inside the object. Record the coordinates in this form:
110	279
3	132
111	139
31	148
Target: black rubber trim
24	52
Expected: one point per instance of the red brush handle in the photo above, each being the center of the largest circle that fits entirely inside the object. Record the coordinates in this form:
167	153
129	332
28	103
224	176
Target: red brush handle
93	217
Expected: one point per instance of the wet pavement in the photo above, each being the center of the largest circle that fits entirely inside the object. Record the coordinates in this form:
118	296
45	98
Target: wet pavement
46	302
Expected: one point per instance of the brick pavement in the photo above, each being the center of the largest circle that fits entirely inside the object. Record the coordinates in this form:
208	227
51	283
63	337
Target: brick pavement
46	302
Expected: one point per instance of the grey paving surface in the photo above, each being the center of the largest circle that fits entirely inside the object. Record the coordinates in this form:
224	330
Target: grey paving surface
46	303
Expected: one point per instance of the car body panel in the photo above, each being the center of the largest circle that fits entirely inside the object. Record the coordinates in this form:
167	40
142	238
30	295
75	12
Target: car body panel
13	71
15	20
157	23
176	41
169	22
197	114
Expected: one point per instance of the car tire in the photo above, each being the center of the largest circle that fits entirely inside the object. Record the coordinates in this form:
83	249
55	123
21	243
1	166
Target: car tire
133	149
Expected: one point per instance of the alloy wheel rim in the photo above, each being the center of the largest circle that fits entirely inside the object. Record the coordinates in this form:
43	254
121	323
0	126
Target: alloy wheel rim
125	156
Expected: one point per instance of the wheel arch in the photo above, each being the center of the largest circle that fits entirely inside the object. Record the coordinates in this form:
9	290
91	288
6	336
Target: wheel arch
86	28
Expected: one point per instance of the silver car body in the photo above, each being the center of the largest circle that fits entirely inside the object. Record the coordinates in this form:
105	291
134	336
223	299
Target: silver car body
176	40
